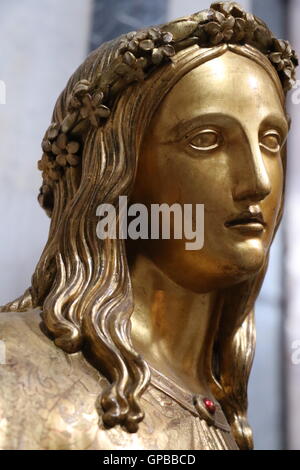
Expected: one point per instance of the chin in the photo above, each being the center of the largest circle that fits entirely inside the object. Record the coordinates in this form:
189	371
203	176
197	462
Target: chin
250	259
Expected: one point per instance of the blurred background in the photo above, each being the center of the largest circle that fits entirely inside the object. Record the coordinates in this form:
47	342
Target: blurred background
42	42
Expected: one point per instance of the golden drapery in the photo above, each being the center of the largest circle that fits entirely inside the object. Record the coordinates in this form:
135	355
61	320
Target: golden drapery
47	401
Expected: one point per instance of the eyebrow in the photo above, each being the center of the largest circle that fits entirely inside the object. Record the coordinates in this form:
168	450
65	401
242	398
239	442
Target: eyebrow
182	126
278	121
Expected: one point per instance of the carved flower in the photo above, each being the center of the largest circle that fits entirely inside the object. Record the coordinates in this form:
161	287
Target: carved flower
65	152
220	29
86	105
131	68
51	171
285	60
92	108
48	164
52	132
229	8
59	152
162	52
152	43
282	57
244	28
81	89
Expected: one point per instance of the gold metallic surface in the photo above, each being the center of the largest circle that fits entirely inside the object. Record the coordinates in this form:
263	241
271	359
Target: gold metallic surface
119	345
47	401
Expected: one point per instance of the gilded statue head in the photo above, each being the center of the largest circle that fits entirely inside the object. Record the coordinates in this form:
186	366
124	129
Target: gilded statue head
192	111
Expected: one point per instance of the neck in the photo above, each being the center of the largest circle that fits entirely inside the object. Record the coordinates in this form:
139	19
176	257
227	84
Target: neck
171	326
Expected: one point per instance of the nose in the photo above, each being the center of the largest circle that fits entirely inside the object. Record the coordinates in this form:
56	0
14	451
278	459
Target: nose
252	182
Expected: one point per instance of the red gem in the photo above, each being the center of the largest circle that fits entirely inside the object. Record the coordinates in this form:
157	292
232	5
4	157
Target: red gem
210	406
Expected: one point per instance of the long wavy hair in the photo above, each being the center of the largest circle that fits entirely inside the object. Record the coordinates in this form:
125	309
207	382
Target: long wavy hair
82	284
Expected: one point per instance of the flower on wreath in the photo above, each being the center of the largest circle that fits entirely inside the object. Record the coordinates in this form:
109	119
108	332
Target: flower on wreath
229	8
283	58
80	90
85	104
220	29
59	152
65	152
48	164
51	171
93	108
131	68
152	43
244	28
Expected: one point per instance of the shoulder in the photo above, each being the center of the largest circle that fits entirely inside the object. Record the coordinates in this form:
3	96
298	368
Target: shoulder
20	328
26	345
47	397
48	400
21	338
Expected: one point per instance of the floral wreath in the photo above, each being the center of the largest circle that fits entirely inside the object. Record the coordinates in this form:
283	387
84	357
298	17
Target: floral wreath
139	54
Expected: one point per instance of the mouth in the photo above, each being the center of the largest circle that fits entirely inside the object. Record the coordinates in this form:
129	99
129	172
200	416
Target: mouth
247	222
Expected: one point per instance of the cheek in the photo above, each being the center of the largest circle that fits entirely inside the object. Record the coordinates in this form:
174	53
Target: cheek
192	180
172	177
277	181
272	203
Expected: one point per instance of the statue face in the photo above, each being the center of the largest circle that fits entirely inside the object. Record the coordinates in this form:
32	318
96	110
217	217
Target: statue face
216	140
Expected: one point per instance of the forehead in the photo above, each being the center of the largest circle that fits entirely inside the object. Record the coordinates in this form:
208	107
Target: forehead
231	85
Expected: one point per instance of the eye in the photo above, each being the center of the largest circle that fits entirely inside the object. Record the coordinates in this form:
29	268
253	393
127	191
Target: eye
271	141
207	139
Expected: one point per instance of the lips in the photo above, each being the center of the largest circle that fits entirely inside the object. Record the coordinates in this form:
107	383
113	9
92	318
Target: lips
247	221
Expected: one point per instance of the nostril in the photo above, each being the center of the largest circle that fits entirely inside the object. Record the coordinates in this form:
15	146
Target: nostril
252	194
255	187
263	190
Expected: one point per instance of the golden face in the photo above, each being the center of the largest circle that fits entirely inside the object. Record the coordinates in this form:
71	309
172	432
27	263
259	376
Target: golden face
217	140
